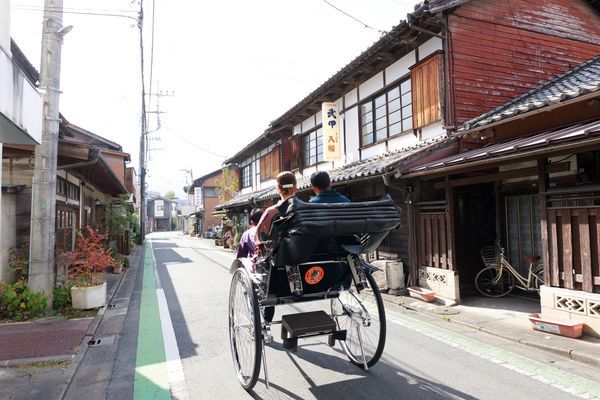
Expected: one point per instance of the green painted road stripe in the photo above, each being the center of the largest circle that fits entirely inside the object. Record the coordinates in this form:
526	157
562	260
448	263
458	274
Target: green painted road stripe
563	380
151	373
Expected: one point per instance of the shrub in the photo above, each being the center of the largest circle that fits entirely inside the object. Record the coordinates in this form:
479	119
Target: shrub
89	258
18	302
62	297
18	261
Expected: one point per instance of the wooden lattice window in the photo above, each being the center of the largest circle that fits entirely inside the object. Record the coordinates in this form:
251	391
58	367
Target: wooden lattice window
269	165
426	91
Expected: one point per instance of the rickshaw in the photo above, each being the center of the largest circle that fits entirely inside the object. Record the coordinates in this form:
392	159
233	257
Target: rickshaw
313	252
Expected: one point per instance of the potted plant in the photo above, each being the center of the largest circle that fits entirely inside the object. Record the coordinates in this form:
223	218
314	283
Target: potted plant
118	267
87	262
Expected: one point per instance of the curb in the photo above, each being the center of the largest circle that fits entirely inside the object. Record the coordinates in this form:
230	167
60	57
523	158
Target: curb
572	354
94	326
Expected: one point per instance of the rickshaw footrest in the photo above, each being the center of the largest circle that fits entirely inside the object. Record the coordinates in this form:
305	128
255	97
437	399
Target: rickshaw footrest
294	326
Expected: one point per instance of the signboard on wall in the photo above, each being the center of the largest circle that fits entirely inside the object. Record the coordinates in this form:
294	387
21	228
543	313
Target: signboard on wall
198	198
331	132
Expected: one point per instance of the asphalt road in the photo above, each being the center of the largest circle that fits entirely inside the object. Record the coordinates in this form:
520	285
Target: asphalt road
424	358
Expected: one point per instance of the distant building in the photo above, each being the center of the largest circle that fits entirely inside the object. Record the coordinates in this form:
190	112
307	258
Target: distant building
159	214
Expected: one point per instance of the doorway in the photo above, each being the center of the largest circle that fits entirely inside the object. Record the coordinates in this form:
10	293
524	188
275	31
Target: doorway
475	227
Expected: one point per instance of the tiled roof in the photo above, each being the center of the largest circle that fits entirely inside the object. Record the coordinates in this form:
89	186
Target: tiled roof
243	198
522	146
372	166
576	82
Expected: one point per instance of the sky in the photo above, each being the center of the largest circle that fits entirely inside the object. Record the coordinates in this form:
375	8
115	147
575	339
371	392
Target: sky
228	67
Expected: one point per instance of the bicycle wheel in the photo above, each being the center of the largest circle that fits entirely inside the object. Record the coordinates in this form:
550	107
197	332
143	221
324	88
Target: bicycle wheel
245	336
538	277
363	318
494	282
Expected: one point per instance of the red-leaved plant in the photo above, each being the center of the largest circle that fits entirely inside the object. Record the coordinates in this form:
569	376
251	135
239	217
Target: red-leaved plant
89	259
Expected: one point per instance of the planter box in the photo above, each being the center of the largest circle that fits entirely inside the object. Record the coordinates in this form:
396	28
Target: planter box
421	293
557	326
85	298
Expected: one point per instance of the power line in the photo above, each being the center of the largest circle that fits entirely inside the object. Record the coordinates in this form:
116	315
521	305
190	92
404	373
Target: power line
192	143
97	14
354	18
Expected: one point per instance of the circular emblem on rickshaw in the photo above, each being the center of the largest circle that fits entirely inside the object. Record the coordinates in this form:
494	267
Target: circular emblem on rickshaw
314	275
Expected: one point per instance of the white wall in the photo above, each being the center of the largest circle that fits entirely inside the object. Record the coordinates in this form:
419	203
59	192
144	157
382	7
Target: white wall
5	26
21	103
400	68
372	151
429	47
407	139
352	134
432	130
351	98
370	86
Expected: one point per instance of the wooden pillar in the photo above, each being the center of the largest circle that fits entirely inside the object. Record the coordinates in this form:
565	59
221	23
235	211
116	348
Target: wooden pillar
542	189
413	257
498	209
450	226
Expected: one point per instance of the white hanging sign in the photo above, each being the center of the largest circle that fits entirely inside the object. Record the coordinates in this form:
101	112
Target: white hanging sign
331	132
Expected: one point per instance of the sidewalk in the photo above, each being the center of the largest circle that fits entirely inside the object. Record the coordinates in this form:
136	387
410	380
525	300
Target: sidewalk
45	339
506	318
38	359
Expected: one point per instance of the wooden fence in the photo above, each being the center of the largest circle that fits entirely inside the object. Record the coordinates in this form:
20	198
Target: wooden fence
574	246
433	240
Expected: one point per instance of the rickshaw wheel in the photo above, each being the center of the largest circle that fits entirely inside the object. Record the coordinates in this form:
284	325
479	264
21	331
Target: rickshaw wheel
348	311
245	336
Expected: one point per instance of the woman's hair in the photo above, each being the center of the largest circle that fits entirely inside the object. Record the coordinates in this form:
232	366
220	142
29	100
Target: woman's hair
255	215
286	182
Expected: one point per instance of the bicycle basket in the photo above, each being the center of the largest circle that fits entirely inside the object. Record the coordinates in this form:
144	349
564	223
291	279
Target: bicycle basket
490	255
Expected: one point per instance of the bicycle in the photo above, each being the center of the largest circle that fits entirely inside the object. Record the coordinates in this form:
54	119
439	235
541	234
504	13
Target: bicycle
499	278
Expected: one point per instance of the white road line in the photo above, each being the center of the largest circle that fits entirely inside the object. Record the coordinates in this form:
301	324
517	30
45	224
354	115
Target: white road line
177	383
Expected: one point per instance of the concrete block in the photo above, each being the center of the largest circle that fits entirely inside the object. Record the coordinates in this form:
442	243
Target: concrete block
443	282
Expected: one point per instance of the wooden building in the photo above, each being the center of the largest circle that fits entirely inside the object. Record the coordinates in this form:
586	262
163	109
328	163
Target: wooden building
204	196
533	184
414	98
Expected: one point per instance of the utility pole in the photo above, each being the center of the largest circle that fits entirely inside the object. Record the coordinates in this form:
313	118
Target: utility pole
43	202
143	137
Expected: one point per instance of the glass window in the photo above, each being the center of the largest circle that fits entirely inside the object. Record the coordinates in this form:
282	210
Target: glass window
386	115
312	147
247	176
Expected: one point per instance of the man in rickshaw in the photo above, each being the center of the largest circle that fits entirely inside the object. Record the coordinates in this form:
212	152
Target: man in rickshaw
321	185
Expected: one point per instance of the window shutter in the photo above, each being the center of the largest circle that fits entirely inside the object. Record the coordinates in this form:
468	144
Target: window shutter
295	153
275	162
425	78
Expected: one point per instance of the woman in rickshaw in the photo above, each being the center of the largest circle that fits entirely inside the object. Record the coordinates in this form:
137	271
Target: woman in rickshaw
286	188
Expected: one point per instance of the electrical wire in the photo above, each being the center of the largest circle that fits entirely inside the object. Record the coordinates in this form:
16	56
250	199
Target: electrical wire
97	14
192	143
354	18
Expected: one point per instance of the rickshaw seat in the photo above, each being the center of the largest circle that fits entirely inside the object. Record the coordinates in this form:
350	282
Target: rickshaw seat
301	226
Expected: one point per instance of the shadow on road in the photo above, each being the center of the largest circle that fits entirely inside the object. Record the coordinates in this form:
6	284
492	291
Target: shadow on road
165	255
383	381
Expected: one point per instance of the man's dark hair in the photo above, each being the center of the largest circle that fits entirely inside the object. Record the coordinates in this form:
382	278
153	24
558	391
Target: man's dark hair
320	180
255	215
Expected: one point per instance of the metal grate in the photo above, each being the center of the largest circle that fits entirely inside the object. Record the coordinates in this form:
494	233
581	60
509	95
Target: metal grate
102	341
